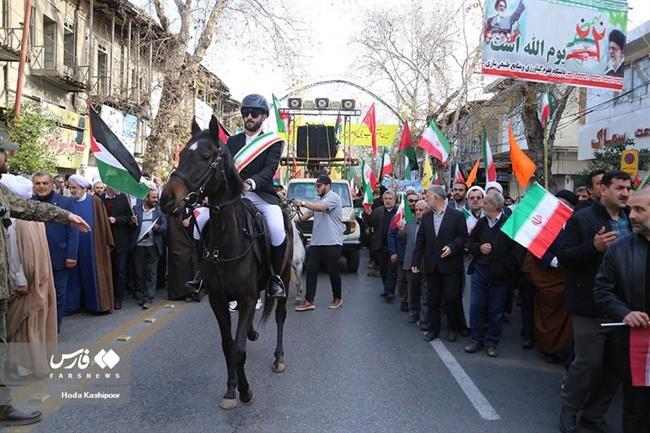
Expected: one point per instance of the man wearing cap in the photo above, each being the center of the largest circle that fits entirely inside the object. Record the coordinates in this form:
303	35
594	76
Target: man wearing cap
16	207
258	183
326	241
616	52
90	283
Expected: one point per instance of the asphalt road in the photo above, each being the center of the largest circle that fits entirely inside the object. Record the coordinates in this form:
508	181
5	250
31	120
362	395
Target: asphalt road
361	368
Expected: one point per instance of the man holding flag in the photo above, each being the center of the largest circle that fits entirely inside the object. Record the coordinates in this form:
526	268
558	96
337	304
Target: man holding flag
622	292
257	156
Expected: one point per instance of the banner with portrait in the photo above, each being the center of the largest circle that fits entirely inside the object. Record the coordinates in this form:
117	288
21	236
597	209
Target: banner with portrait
576	42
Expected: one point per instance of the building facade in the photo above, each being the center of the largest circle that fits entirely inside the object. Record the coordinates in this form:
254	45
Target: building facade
103	52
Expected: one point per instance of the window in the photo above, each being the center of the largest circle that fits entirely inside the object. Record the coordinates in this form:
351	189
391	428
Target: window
49	43
69	45
32	27
102	67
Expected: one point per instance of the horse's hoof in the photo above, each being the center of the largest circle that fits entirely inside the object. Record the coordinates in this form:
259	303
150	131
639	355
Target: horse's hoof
228	403
247	399
253	335
279	367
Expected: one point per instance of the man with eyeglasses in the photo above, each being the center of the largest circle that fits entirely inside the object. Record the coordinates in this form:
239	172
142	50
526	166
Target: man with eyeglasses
258	183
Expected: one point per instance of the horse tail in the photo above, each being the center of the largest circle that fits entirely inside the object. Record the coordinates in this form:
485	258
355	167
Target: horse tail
269	303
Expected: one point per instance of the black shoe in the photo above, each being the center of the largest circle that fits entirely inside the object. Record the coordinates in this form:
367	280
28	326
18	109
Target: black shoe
424	326
430	336
474	346
390	298
275	287
383	295
404	307
492	352
452	336
118	305
567	422
194	285
12	416
413	319
527	344
595	426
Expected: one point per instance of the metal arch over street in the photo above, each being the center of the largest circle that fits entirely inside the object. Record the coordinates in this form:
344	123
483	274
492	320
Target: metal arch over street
346	82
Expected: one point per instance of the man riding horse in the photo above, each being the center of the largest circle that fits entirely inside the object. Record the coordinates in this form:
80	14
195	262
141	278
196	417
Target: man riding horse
258	183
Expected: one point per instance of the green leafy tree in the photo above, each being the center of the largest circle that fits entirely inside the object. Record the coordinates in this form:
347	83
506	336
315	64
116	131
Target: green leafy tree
609	158
31	131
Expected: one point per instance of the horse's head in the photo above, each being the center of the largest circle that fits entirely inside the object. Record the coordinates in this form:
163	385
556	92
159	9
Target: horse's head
205	169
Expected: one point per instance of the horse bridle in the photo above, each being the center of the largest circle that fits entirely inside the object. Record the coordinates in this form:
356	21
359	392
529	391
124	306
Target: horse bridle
197	191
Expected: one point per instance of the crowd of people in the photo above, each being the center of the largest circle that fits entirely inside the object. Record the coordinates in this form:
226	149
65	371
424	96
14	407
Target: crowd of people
453	259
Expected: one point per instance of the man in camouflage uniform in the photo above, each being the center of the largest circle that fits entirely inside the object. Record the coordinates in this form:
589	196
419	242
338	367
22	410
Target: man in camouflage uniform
17	207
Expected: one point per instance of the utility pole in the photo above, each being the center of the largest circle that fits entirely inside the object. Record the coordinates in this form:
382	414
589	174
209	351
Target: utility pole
23	57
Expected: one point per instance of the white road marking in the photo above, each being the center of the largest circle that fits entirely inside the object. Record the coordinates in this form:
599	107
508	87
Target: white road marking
475	396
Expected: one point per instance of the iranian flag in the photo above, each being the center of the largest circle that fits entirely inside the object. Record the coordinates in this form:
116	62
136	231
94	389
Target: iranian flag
640	356
488	162
369	181
117	167
254	148
403	213
280	118
545	109
470	220
537	220
435	143
458	175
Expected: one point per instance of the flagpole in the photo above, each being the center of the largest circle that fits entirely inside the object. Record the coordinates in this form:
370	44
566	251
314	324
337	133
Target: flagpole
545	142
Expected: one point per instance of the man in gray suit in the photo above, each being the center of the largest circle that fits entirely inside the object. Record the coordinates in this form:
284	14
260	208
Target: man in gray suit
417	286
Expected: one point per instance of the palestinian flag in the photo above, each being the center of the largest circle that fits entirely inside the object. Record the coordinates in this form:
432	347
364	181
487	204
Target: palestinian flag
386	164
545	109
640	356
470	220
435	143
403	213
537	220
488	162
458	175
117	167
224	135
338	127
368	179
411	169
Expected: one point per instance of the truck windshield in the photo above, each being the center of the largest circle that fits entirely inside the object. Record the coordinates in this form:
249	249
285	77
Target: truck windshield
307	191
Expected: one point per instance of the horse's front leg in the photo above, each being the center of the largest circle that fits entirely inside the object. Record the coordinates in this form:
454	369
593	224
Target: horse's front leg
280	316
245	324
220	310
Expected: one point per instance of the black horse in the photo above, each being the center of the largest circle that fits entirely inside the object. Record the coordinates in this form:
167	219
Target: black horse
234	260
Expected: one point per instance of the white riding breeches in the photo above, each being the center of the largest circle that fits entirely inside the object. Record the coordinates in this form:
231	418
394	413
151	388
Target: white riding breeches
272	216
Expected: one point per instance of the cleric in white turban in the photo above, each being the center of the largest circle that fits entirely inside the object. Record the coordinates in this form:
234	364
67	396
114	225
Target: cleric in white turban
90	283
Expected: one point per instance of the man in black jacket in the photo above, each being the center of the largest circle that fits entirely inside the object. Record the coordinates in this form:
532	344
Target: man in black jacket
586	237
123	222
258	182
439	249
379	221
593	188
495	258
622	291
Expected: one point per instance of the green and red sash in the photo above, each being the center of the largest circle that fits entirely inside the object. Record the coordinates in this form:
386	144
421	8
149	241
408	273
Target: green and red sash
252	150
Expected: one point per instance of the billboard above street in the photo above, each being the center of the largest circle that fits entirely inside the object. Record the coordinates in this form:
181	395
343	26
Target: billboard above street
576	42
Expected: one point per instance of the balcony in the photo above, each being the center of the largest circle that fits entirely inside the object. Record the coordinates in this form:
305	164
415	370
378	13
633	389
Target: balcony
10	41
69	78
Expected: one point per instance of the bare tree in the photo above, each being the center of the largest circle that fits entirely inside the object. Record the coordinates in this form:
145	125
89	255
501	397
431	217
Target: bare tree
192	28
423	54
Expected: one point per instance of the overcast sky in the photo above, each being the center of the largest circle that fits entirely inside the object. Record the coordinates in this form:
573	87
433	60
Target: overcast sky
331	26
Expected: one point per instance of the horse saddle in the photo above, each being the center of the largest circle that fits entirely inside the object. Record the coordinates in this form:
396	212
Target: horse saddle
254	226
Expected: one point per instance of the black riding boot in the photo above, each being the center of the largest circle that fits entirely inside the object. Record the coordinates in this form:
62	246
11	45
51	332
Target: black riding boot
275	288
